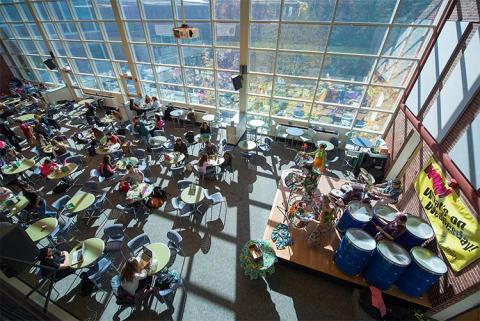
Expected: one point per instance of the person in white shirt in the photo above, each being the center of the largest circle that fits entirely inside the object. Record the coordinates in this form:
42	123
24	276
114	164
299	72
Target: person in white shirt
155	103
134	278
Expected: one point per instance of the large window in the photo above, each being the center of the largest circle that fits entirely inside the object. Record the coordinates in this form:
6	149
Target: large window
339	63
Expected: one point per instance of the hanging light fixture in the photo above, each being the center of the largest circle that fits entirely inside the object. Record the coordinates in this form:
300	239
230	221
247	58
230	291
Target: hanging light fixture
184	31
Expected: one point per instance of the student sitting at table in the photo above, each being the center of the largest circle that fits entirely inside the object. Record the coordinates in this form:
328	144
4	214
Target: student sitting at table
136	108
159	123
227	163
113	139
205	130
41	128
10	155
148	102
36	203
204	169
59	260
42	141
58	148
180	147
91	110
4	193
6	111
97	133
47	167
134	278
133	175
210	148
27	131
155	104
106	169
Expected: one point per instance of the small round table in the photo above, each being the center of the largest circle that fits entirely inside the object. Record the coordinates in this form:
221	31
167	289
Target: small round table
42	228
93	251
329	145
192	194
247	145
256	123
161	254
139	192
26	117
63	171
80	201
174	158
176	112
294	132
157	141
105	150
260	267
24	165
208	117
215	160
14	205
122	164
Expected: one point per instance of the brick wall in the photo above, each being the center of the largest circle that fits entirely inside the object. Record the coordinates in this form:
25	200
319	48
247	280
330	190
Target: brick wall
466	10
452	287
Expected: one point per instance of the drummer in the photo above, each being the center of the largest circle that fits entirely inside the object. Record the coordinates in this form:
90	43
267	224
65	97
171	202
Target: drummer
394	229
388	192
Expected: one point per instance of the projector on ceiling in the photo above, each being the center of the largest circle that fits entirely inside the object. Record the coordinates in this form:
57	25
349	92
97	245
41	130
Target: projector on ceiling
185	32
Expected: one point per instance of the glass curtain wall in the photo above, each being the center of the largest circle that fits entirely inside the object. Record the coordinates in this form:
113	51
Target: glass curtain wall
337	63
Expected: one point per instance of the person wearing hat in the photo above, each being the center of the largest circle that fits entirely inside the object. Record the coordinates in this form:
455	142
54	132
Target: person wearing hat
388	192
394	229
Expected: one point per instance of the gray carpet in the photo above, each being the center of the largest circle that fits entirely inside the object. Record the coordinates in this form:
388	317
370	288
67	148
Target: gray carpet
215	285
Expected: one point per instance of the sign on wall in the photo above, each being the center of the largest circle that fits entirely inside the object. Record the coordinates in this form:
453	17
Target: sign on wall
456	229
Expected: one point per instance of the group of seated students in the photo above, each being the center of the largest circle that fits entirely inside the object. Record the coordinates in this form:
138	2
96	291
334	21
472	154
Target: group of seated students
148	105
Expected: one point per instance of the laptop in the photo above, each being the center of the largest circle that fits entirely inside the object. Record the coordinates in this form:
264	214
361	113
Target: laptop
77	257
145	258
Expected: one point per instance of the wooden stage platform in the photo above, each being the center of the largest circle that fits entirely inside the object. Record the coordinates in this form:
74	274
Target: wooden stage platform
314	257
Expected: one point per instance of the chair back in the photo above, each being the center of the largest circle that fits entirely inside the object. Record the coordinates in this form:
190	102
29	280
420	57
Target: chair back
135	244
74	159
175	203
63	157
268	141
94	173
91	186
174	237
157	151
184	184
96	272
61	202
140	153
114	231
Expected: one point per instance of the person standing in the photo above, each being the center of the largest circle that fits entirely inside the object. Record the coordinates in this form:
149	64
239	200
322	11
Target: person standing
320	160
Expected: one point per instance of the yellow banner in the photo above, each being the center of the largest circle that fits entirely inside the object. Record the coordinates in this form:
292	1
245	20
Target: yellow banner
456	229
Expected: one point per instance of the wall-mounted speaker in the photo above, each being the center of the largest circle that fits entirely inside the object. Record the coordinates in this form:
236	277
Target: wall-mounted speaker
50	64
237	82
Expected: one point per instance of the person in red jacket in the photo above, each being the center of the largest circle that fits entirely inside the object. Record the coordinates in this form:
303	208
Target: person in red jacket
106	169
47	167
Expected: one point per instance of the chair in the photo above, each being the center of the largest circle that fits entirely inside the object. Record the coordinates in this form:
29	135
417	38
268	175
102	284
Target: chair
76	159
157	152
226	147
114	237
172	287
139	153
96	272
59	204
266	147
174	240
216	198
247	156
63	157
116	155
94	173
91	187
96	208
308	136
177	171
178	204
158	132
184	184
137	243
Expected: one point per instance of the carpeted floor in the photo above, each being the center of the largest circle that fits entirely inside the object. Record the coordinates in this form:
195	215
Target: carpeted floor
215	285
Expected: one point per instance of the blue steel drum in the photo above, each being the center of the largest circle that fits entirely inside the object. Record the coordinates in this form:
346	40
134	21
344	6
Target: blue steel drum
425	270
356	215
418	231
354	251
382	215
388	262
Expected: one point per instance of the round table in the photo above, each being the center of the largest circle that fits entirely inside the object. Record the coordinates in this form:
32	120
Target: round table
23	165
139	191
208	117
75	113
80	201
93	251
256	123
14	205
26	117
161	254
83	101
247	145
104	150
122	163
157	140
174	158
192	194
261	267
176	112
42	228
329	145
295	131
150	126
215	160
63	171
